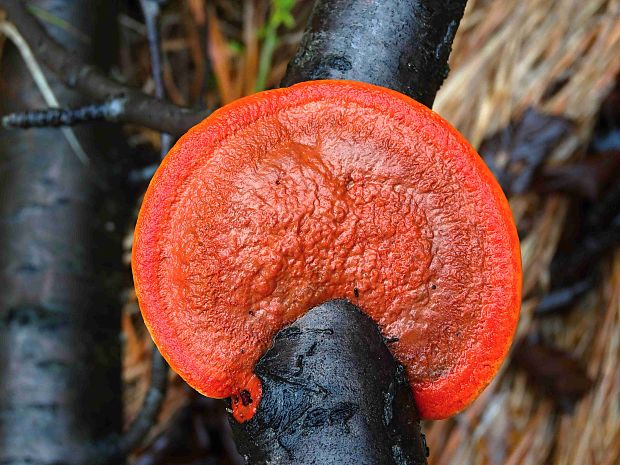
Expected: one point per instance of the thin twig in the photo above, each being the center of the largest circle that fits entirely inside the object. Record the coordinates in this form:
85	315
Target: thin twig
150	407
2	37
115	448
139	108
10	31
151	10
54	20
57	117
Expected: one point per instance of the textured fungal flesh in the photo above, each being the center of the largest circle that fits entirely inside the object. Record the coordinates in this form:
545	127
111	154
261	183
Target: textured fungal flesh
288	198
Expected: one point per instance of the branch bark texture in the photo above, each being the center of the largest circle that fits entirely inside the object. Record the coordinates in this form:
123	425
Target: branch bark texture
400	44
332	394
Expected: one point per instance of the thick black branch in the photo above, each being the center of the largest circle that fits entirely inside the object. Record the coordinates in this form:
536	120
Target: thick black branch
138	107
400	44
332	394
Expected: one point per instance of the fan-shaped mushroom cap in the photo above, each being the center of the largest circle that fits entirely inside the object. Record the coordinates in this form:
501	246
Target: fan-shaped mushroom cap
328	189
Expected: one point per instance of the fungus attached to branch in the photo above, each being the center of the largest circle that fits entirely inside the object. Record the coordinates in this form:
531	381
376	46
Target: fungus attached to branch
287	199
400	44
332	394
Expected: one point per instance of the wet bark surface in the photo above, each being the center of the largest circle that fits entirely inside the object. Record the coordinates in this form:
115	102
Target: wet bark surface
400	44
59	314
332	394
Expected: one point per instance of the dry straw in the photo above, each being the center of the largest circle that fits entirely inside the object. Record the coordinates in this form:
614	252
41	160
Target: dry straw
561	57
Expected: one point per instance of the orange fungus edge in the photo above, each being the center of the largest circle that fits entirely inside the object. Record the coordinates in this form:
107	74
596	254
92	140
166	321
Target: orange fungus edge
436	401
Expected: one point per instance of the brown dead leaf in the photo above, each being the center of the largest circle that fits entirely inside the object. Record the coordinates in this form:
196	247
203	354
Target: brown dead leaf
558	374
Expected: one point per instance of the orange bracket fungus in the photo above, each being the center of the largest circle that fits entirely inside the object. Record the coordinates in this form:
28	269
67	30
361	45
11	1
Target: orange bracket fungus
288	198
271	224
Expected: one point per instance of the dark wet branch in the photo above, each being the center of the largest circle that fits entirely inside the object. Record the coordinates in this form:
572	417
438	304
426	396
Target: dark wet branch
56	117
138	108
113	449
332	394
400	44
